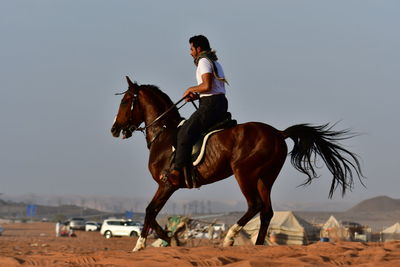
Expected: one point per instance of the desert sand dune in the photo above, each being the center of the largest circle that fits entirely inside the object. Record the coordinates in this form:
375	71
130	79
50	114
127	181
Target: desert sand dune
35	244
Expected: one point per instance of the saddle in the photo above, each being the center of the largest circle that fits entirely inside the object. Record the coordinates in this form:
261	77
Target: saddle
198	149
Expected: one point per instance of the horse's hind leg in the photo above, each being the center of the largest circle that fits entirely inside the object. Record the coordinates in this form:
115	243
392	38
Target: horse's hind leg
254	203
266	213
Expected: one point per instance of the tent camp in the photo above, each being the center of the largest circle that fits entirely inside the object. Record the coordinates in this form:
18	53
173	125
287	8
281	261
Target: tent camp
285	228
334	230
331	223
344	231
391	233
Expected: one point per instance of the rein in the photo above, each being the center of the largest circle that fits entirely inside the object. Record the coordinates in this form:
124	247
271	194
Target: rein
142	129
132	128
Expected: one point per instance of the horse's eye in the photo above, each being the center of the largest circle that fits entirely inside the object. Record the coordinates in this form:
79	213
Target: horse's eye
124	102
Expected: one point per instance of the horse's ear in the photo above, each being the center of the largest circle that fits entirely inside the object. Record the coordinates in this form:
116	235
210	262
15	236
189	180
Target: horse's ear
129	81
131	84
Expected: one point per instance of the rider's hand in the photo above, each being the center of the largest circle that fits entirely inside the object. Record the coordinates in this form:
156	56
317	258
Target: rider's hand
194	96
189	95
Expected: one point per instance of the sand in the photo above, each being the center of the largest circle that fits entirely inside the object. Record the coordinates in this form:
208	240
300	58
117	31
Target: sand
35	244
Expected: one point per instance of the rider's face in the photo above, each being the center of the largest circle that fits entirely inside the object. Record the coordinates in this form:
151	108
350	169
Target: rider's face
194	52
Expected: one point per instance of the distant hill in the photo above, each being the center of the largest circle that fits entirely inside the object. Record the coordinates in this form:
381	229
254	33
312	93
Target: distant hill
120	204
13	210
378	204
378	213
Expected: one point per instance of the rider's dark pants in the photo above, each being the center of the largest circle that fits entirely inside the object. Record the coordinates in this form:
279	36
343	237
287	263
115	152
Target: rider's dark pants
212	109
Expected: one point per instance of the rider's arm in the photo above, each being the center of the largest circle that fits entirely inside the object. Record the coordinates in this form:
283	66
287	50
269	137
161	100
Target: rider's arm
204	87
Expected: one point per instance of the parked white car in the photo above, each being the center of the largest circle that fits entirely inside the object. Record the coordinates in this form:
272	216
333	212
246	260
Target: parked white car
120	227
77	223
220	227
92	226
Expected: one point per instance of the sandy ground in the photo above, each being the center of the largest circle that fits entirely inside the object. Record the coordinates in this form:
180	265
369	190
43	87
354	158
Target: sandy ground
34	244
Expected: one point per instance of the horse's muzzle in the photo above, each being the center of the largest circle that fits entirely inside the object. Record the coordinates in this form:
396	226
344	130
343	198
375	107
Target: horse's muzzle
126	134
115	130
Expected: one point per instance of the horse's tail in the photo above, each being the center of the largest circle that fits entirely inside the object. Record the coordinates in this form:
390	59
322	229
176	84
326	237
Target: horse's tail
310	141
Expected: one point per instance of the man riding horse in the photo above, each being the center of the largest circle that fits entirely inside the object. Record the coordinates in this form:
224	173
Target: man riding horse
253	152
212	109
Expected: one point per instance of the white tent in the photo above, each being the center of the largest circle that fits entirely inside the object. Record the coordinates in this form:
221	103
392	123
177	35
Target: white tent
394	229
285	227
331	223
334	230
391	233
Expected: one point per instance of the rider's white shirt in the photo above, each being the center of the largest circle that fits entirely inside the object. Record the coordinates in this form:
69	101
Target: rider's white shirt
205	66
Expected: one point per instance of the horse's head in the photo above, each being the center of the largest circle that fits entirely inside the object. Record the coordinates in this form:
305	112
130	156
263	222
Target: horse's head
128	117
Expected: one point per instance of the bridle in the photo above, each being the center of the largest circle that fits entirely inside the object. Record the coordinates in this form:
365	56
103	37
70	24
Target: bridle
133	128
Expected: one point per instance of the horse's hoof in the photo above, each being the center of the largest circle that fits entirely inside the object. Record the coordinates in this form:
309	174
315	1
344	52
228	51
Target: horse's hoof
140	244
228	243
137	249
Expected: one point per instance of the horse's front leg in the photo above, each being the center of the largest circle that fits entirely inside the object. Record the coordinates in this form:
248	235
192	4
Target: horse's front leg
163	193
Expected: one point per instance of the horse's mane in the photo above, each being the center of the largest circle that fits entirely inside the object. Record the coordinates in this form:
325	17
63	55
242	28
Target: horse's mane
163	98
157	91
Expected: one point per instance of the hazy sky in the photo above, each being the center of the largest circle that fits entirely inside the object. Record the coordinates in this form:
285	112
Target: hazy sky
288	62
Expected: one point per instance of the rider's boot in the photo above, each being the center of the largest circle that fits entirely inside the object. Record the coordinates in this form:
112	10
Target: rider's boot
190	177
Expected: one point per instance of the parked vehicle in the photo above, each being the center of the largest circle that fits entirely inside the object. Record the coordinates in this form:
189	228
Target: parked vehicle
120	227
1	230
92	226
220	227
77	223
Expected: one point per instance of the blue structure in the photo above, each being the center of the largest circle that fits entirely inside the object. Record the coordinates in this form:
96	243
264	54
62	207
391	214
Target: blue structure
129	214
31	210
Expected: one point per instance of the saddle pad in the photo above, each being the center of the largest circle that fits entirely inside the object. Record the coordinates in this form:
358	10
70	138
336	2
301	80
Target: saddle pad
203	147
199	148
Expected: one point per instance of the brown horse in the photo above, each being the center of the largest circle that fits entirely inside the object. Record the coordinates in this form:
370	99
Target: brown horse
253	152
